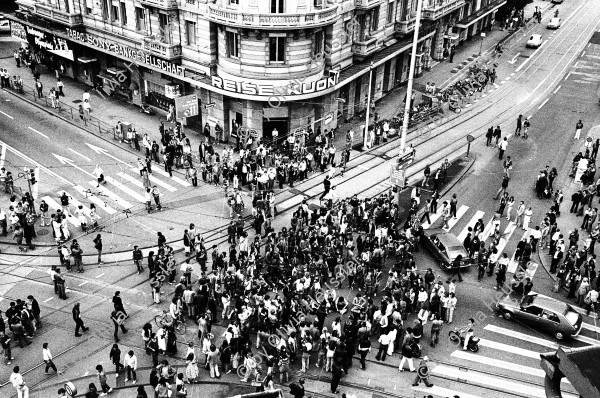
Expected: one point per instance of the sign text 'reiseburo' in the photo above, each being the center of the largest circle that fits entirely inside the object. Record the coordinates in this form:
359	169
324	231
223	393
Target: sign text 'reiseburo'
294	88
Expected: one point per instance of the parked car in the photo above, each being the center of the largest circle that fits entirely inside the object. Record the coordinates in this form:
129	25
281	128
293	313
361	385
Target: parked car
445	247
554	23
4	24
543	313
534	41
557	1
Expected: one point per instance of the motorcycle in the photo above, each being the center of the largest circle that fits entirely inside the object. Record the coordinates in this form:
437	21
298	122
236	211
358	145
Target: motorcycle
457	336
146	109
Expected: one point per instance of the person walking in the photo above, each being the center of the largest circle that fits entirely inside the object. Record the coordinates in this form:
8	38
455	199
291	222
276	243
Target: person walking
520	214
527	218
503	145
103	380
98	246
453	205
502	189
489	135
436	328
131	366
336	375
326	187
18	383
138	257
34	308
118	303
578	128
118	318
48	359
384	341
364	347
423	373
78	321
519	125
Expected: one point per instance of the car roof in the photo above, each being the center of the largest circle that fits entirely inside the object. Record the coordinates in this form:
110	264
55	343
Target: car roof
536	36
448	239
549	303
555	19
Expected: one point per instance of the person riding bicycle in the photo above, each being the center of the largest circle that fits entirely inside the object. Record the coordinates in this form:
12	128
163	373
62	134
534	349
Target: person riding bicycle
467	332
167	320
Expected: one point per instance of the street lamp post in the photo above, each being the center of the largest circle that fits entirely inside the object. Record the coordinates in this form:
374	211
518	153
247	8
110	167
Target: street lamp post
366	133
411	76
481	44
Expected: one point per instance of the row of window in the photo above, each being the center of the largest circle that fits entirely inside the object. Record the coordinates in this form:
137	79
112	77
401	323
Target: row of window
277	45
278	6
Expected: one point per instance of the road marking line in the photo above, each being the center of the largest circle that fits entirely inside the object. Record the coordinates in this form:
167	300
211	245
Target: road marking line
483	95
7	115
531	56
576	65
591	327
113	196
497	363
530	116
443	392
35	131
556	90
77	153
162	184
507	77
568	75
131	180
165	174
487	230
521	336
83	283
502	83
509	348
512	74
56	206
101	204
543	103
495	85
588	340
98	276
583	54
48	299
505	237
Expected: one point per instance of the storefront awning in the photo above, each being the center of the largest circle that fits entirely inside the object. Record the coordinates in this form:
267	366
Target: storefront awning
107	77
86	60
471	19
453	36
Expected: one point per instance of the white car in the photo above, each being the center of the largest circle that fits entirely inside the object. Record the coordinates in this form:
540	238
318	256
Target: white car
534	41
554	23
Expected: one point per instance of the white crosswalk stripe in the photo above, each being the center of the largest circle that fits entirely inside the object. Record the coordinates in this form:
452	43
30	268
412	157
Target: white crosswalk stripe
163	173
497	363
137	196
443	392
462	210
76	203
132	180
102	191
89	195
463	234
433	218
521	336
504	238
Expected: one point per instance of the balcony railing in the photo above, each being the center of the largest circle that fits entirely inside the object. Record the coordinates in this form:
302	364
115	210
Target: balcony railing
164	50
164	4
233	17
366	4
52	12
438	8
405	27
367	47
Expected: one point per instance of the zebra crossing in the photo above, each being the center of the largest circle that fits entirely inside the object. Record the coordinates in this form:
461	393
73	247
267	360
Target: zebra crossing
510	229
510	366
122	191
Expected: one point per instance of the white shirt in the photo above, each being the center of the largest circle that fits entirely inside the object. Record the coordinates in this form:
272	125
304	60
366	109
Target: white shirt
47	354
504	145
131	361
16	379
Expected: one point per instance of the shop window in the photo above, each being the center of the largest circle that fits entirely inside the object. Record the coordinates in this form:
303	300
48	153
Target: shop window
105	15
277	6
67	6
190	33
114	13
234	2
348	32
123	13
277	49
233	41
164	28
375	19
391	11
318	43
140	19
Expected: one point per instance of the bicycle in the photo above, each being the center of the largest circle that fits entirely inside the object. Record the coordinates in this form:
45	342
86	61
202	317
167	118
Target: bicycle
178	325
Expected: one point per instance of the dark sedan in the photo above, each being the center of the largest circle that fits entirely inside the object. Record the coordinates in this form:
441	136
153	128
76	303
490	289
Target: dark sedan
445	247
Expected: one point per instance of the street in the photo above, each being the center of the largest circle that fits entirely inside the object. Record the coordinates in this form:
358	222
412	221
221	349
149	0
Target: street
553	86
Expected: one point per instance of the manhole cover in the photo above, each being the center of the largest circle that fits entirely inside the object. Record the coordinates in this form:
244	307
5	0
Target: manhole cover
43	231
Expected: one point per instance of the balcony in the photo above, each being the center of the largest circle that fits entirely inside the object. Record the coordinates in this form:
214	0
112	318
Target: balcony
50	11
365	48
164	4
366	4
439	8
232	17
405	27
163	50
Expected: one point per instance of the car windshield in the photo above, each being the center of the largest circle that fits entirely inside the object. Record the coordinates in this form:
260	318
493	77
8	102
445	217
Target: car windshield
572	316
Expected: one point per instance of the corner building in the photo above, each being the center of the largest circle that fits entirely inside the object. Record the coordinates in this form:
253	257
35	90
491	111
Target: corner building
288	65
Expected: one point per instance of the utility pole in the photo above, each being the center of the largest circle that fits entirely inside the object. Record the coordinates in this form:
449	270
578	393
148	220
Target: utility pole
411	76
366	133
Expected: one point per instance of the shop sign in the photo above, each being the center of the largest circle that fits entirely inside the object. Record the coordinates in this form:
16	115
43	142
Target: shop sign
47	41
186	106
18	31
172	90
295	87
134	54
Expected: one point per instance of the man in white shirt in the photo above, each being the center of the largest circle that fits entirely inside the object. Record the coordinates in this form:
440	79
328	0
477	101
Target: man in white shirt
48	359
131	366
19	384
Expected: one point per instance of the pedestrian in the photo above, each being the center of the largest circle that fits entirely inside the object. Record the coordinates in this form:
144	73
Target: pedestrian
519	125
453	205
103	380
98	246
78	321
436	328
364	347
509	205
18	383
118	319
497	135
34	308
489	135
5	343
452	51
336	375
423	373
39	88
115	359
48	359
384	341
156	195
527	218
297	388
445	214
138	257
118	303
326	187
502	188
131	366
578	128
502	148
